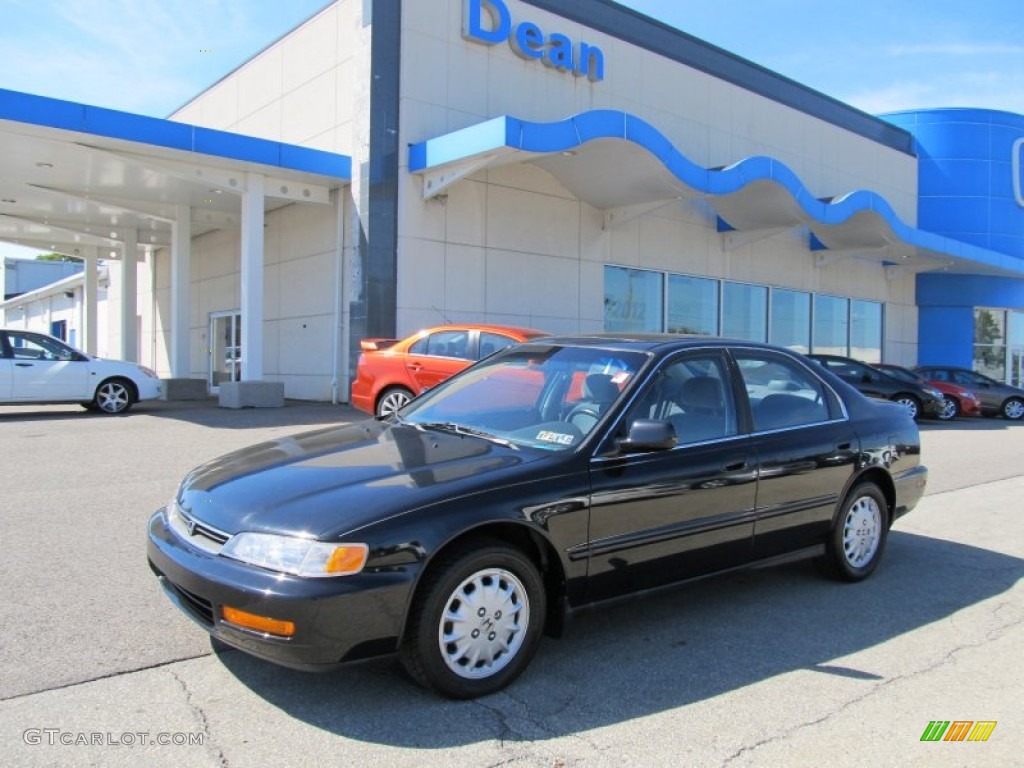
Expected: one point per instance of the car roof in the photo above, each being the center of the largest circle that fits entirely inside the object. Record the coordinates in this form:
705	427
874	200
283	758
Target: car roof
486	327
648	342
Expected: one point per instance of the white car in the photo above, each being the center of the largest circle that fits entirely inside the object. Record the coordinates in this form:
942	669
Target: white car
36	368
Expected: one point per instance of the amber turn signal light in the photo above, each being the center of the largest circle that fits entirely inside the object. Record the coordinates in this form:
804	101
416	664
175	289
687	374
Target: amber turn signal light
258	623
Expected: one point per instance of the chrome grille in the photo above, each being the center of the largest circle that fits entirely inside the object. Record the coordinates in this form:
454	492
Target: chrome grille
194	531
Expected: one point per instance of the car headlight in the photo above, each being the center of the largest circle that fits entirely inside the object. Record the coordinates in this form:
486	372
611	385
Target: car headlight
147	371
301	557
933	392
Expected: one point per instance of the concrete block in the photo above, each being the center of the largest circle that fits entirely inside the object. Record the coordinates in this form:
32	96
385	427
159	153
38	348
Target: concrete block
184	389
252	394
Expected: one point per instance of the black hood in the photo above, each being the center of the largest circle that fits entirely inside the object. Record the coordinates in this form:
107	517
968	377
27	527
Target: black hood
342	478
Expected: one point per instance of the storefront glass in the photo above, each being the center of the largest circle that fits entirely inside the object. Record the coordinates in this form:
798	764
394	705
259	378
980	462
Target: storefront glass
791	320
692	305
831	325
990	342
744	311
632	300
866	331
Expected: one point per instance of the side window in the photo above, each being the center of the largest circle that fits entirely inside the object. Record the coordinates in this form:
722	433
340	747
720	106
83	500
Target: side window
782	393
493	342
31	347
444	344
692	394
935	375
964	379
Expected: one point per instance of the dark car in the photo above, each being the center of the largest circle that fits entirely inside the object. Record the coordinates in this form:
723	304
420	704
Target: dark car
958	400
919	398
549	477
997	399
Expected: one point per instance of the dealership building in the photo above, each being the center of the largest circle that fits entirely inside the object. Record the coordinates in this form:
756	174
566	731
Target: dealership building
568	165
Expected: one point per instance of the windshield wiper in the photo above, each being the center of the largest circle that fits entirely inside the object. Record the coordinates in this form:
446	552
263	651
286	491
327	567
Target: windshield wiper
459	429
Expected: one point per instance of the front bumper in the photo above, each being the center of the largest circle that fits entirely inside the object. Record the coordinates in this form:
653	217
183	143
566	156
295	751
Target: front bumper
149	389
336	619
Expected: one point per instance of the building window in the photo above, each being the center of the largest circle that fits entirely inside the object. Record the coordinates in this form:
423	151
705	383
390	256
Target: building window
744	311
990	343
1016	342
632	300
831	325
791	320
866	330
692	305
639	300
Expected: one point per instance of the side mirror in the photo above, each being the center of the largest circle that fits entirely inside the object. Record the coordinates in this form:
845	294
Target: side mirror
649	435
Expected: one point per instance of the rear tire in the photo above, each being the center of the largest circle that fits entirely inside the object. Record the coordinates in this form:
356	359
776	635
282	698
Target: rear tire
1013	409
476	622
391	399
858	539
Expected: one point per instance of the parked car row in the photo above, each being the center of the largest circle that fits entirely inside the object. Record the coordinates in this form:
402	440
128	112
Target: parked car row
391	372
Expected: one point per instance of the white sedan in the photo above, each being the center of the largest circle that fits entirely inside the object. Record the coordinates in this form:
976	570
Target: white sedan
36	368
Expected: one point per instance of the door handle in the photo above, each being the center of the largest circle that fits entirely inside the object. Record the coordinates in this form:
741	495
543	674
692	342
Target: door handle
843	446
23	365
736	466
414	367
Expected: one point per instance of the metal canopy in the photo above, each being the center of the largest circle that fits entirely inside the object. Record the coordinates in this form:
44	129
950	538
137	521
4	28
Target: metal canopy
622	165
73	176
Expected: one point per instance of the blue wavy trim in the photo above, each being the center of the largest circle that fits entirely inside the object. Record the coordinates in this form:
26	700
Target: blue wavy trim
545	138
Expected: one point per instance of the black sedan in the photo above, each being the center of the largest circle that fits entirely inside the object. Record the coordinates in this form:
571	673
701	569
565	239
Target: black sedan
919	398
553	476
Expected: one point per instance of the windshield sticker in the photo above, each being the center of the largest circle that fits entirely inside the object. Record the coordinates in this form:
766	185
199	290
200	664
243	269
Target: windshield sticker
555	437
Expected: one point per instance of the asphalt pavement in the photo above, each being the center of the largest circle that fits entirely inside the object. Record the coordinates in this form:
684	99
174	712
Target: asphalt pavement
772	667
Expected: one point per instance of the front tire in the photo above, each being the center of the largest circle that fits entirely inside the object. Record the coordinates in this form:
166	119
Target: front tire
859	536
950	408
114	396
476	622
910	403
1013	409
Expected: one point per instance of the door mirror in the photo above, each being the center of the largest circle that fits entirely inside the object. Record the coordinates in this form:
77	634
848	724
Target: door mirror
649	435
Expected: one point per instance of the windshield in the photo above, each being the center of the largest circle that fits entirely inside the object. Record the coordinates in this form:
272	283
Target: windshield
904	375
538	395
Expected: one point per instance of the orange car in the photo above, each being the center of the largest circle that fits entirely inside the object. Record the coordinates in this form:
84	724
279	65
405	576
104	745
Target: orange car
392	372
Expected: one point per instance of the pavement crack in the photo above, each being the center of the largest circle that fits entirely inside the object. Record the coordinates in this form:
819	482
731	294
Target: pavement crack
204	722
110	676
949	658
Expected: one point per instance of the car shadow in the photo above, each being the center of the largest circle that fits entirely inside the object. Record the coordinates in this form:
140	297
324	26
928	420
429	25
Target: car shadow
653	655
204	413
970	424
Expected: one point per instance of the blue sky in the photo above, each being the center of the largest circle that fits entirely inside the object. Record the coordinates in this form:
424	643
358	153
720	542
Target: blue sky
151	56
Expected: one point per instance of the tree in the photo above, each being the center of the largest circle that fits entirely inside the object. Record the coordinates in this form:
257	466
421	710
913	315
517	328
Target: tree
58	257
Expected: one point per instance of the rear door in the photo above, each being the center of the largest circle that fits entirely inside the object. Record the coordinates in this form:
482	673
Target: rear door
805	446
439	356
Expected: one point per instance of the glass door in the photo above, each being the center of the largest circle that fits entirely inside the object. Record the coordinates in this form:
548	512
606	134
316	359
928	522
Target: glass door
225	348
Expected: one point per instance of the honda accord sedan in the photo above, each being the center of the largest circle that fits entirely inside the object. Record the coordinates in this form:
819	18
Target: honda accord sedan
551	477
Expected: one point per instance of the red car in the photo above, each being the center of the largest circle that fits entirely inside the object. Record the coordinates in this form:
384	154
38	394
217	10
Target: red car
958	400
392	372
